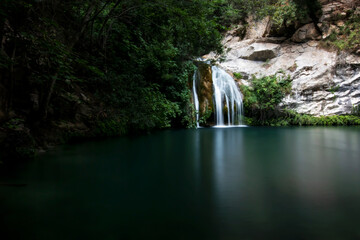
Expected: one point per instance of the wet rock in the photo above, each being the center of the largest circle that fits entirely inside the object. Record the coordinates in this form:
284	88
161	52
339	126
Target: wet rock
205	87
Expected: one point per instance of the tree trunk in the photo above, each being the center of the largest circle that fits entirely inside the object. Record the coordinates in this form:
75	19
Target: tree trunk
108	17
76	38
3	90
12	81
48	97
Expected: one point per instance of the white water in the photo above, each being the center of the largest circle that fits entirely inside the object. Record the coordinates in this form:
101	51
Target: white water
196	99
232	126
226	93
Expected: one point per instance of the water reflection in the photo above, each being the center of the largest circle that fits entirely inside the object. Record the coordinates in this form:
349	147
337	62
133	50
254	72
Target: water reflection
263	180
325	157
223	183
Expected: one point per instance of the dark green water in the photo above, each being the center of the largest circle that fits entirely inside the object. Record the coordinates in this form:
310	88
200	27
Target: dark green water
236	183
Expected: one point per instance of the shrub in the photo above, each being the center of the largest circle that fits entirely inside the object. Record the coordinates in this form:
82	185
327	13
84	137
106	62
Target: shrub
356	110
238	75
262	98
291	118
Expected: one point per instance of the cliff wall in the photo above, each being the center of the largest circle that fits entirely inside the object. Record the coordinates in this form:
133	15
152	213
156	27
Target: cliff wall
325	80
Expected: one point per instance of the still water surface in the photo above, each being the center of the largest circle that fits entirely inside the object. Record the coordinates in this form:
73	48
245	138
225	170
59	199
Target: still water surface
232	183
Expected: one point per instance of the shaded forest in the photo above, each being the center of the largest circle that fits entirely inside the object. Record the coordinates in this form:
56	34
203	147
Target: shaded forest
104	68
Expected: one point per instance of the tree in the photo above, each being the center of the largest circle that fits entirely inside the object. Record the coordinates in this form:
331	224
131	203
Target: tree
121	51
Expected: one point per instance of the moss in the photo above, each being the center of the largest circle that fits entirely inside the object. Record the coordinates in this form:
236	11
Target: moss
205	117
205	87
334	89
238	75
290	118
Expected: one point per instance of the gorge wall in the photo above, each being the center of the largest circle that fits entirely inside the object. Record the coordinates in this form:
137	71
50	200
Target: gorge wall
325	81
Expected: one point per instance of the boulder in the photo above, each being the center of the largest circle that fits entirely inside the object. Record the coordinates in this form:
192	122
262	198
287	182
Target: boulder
257	28
305	33
260	52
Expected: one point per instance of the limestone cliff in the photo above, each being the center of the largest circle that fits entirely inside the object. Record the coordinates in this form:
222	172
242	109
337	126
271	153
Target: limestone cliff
325	81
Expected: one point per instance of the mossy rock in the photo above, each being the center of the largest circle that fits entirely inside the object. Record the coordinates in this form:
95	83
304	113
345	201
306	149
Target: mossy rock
205	88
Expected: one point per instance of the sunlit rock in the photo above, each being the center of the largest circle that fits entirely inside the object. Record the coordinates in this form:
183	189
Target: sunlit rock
260	52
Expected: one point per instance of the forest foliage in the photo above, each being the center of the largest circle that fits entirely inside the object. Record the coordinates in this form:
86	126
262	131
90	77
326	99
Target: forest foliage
134	56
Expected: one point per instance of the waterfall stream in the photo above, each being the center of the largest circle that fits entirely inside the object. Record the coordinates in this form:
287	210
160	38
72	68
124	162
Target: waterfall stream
227	98
196	99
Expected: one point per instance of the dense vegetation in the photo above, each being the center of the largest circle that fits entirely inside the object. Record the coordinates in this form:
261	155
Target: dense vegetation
291	118
104	68
134	56
262	98
98	68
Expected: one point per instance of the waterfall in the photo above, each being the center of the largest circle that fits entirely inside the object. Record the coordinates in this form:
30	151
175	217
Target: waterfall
226	93
196	99
226	98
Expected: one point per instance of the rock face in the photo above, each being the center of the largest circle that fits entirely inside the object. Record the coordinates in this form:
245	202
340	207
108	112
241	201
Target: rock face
204	87
334	12
257	28
324	82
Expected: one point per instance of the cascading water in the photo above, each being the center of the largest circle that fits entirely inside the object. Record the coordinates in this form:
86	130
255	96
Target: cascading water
196	99
226	93
226	98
